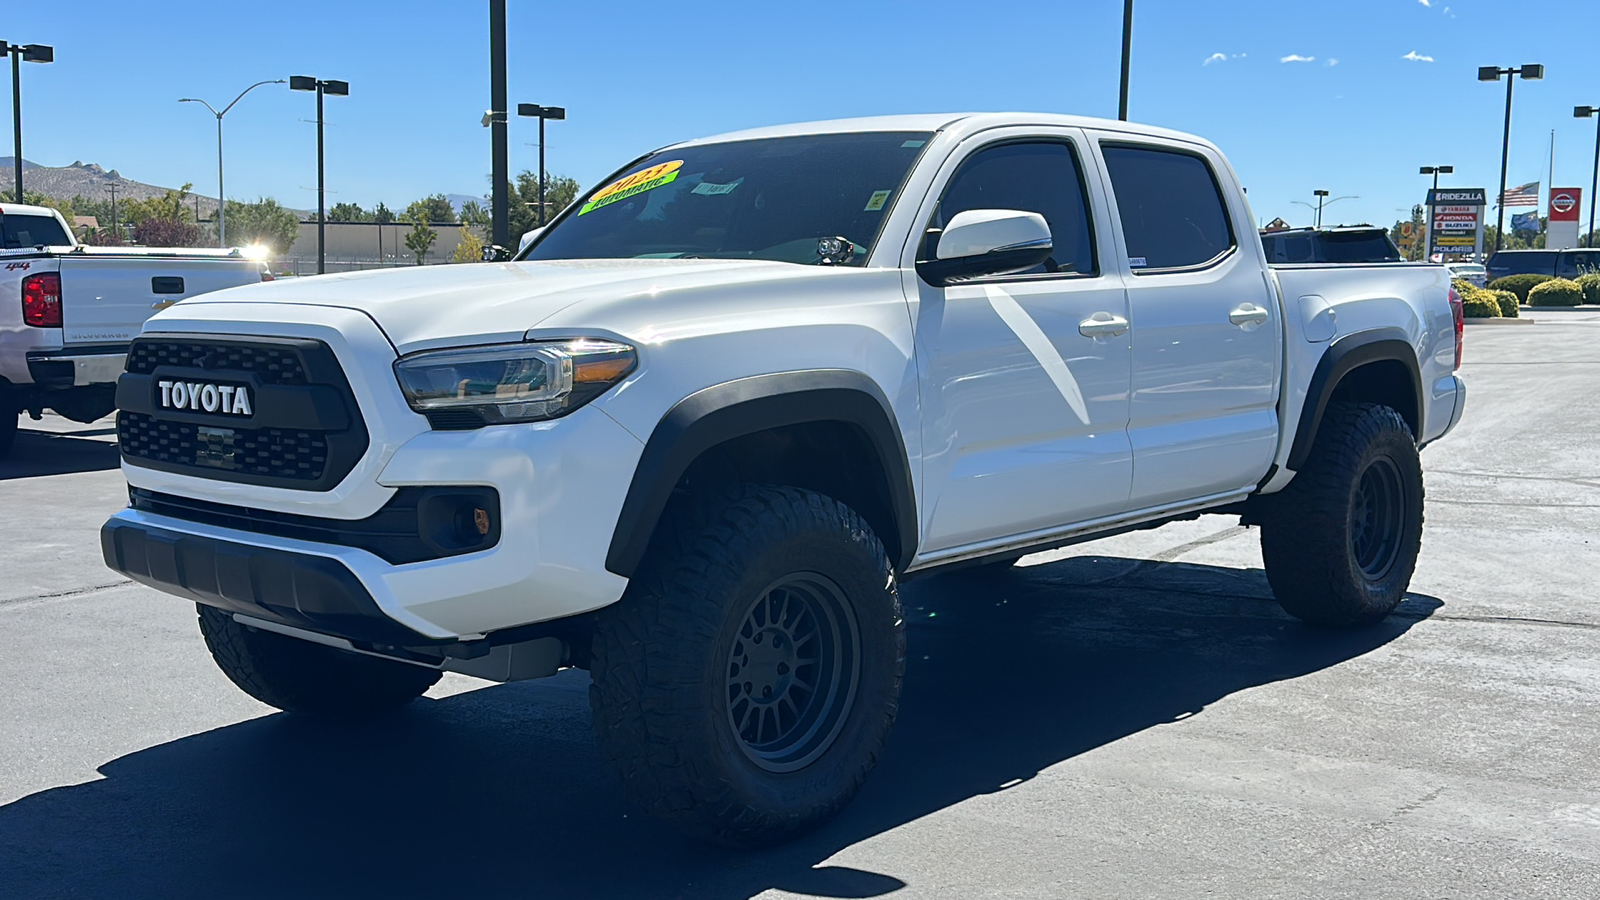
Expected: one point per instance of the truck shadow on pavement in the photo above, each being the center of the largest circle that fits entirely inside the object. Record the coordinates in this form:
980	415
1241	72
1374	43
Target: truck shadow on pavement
39	453
500	791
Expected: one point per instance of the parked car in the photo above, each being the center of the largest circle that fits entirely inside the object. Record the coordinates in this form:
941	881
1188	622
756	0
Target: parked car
1348	244
693	437
1556	263
1472	273
68	311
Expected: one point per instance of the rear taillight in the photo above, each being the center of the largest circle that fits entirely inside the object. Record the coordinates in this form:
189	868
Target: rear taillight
41	300
267	276
1460	316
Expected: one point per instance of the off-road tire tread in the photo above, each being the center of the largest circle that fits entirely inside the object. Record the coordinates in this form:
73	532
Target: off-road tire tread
1304	538
309	679
640	682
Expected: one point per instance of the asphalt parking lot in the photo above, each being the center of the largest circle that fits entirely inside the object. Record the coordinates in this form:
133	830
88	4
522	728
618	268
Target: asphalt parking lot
1128	718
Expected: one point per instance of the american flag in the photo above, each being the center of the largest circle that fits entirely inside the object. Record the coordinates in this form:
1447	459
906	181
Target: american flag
1525	195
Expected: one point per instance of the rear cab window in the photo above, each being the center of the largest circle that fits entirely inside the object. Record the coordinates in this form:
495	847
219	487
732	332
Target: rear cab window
19	231
1171	207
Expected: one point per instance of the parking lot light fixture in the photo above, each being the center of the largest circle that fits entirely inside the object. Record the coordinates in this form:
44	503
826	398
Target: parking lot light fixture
1530	72
1585	112
21	53
334	89
222	203
1436	171
557	113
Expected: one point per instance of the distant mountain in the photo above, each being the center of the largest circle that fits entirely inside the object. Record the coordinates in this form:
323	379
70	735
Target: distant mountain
83	179
456	200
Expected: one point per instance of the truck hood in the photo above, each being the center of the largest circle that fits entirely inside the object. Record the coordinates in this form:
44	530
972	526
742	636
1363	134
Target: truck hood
430	306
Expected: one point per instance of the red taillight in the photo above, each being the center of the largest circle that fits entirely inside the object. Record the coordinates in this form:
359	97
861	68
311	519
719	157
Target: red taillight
267	276
1461	322
41	300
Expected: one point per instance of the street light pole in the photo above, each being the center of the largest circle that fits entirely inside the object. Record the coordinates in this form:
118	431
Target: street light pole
1584	112
558	113
1127	58
1320	196
222	201
337	89
20	53
1427	233
1493	73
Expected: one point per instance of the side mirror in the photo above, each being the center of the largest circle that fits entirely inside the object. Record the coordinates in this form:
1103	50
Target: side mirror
529	238
982	242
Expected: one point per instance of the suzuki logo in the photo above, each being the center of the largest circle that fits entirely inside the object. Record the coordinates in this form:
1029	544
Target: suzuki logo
198	396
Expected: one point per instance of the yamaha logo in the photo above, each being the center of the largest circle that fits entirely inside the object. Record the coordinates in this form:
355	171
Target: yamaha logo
199	396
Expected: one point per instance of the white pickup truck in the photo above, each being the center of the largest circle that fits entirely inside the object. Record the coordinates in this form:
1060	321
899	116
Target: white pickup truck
693	437
68	311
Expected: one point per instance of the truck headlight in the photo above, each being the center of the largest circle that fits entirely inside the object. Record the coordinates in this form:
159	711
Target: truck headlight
511	382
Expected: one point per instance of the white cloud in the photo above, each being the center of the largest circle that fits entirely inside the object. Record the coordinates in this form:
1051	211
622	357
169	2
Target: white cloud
1295	57
1414	56
1425	2
1332	62
1215	57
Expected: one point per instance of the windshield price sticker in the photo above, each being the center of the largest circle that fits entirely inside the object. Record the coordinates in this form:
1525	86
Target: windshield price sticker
877	200
707	189
637	183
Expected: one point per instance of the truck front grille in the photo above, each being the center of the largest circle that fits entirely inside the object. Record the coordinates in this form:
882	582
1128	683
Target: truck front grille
262	452
305	431
273	365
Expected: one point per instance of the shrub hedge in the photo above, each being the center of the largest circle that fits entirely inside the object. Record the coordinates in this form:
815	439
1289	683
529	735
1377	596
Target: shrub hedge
1476	303
1518	284
1590	283
1508	303
1555	292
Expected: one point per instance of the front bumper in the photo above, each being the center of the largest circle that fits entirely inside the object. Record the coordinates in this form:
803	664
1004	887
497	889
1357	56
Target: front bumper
297	590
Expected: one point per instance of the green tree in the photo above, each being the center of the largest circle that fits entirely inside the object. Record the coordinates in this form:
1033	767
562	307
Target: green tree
171	206
476	214
470	249
419	240
382	214
433	209
348	212
263	222
560	191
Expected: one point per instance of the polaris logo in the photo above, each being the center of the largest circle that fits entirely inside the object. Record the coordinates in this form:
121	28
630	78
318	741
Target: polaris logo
199	396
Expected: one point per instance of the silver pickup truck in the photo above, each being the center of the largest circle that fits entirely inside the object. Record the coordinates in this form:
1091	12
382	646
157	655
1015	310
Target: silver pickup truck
68	311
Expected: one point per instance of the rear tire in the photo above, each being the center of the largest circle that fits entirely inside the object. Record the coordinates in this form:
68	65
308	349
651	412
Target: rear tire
1341	541
309	679
744	685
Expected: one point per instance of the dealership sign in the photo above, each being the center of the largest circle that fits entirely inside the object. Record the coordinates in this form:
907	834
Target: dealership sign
1561	233
1455	220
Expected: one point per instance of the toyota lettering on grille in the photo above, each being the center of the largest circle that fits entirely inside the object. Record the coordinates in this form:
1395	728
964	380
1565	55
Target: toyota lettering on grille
200	396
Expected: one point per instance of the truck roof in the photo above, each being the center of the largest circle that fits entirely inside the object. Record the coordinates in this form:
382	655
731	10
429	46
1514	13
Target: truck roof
965	122
23	209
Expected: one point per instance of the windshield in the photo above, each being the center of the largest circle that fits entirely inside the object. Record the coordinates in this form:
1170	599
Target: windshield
788	199
18	231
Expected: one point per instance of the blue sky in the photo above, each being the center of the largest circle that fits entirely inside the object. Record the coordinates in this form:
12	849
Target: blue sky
1356	116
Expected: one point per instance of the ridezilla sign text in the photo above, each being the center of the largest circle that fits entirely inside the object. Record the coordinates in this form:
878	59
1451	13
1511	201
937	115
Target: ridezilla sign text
1455	221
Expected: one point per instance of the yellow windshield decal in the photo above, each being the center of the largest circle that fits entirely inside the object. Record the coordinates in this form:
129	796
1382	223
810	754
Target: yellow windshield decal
637	183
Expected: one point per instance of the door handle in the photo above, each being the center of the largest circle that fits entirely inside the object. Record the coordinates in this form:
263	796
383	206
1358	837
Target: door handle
1102	324
1248	314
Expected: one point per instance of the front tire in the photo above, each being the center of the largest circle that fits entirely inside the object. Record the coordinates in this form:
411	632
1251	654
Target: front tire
745	684
1341	542
309	679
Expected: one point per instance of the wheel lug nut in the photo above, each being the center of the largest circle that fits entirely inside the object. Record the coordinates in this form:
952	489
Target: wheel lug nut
747	687
783	668
766	692
758	638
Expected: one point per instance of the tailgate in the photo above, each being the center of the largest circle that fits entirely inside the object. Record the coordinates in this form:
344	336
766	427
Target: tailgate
105	300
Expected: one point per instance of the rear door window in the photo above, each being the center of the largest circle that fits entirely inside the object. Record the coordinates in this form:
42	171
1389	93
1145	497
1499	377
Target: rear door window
1171	207
21	231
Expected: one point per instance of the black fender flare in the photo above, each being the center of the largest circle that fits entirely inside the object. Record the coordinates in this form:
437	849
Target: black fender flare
1342	357
722	412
